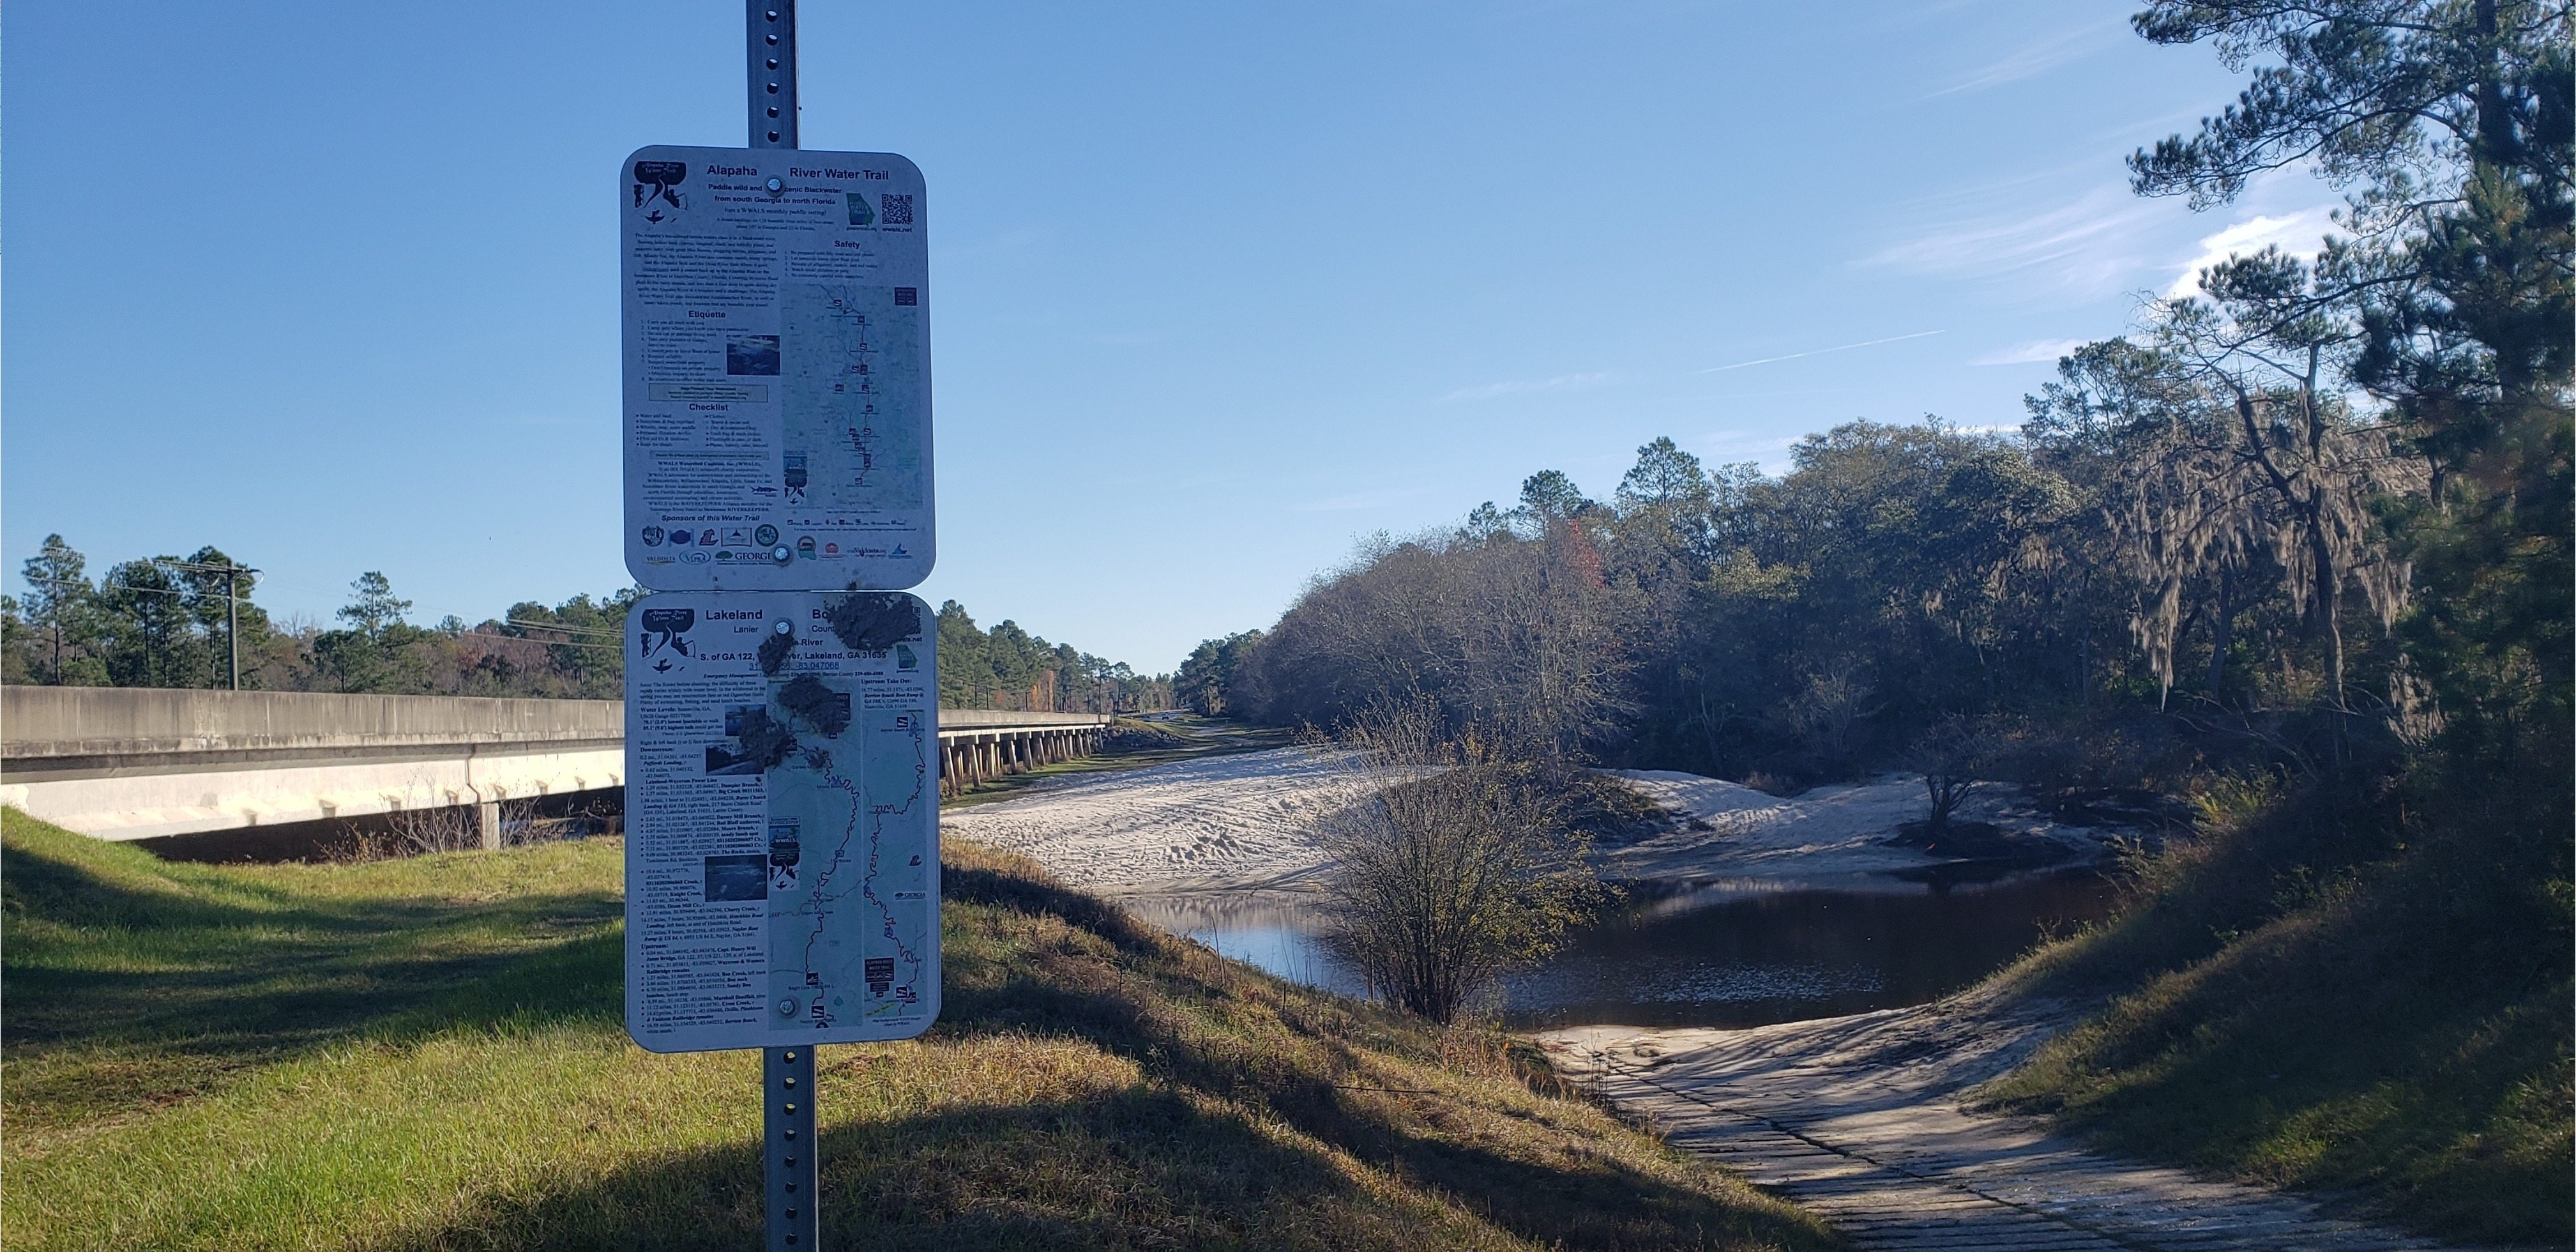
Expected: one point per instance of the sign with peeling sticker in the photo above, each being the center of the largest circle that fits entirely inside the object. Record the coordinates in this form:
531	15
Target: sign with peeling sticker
782	819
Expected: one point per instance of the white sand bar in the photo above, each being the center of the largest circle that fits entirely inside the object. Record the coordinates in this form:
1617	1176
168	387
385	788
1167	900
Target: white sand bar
1829	833
1248	820
1221	822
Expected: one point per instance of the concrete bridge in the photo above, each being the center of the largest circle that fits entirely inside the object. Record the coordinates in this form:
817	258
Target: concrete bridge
140	763
979	745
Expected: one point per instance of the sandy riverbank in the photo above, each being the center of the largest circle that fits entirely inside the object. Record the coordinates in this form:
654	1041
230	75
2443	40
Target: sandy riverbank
1237	821
1247	821
1862	1118
1829	836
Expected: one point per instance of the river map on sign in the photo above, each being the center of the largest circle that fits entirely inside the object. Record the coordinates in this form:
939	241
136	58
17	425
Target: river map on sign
851	370
849	896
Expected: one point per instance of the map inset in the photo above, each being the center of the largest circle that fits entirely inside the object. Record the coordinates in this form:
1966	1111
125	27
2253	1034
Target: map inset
851	816
853	412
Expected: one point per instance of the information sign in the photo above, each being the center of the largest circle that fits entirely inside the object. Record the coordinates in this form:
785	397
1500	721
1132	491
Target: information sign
782	819
777	369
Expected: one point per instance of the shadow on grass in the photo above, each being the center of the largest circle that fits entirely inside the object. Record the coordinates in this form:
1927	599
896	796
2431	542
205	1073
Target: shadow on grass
112	958
2300	1007
1594	1202
1238	1134
1138	1168
1154	1165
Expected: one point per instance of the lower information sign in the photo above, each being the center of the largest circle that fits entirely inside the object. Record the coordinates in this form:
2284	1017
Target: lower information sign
782	819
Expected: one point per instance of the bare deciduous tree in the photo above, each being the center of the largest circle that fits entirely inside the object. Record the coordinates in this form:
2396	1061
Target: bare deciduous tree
1452	863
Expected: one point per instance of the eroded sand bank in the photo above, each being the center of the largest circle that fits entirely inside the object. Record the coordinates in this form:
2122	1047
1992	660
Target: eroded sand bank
1828	836
1249	821
1219	822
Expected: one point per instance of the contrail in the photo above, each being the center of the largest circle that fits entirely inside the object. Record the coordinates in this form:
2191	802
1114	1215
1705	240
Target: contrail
1720	369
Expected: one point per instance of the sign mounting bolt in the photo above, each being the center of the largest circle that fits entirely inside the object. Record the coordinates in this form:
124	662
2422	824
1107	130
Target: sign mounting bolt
777	186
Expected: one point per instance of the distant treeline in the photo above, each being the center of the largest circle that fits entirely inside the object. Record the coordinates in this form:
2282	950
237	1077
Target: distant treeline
2165	562
1009	668
163	622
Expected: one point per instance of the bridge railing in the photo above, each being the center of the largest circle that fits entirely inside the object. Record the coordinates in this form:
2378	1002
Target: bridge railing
45	724
131	763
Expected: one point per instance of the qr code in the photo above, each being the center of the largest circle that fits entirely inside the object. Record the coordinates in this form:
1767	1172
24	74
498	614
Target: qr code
897	210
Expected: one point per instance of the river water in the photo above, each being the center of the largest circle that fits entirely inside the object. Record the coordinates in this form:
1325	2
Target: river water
1728	954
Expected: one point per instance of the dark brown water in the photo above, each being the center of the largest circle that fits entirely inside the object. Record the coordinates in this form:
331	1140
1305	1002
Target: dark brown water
1714	956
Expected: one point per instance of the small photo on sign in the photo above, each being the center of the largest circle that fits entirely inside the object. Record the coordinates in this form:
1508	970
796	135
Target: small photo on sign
751	354
736	878
727	759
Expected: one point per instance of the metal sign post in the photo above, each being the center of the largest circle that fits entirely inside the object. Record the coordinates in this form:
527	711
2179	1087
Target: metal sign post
770	43
788	1150
788	1147
782	855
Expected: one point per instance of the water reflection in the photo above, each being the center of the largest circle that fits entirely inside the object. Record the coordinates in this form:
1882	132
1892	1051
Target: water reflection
1730	954
1275	930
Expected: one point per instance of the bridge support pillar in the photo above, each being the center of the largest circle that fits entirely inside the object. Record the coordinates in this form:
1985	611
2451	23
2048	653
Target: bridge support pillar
487	822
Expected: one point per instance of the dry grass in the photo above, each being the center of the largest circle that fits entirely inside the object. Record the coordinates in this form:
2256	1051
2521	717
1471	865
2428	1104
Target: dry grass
2393	1034
425	1054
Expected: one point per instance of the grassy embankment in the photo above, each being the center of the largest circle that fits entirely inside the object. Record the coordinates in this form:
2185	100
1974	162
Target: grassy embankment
426	1053
2391	1029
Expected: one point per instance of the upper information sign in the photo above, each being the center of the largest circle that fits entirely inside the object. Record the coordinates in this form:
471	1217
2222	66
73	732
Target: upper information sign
777	370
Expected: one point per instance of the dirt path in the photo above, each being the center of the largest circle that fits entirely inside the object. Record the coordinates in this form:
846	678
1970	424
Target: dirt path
1858	1118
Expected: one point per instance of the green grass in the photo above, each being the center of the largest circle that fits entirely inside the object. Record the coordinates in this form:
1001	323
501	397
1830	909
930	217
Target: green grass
426	1054
2393	1035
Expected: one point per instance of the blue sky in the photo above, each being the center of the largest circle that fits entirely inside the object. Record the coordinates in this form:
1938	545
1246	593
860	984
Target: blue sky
1218	289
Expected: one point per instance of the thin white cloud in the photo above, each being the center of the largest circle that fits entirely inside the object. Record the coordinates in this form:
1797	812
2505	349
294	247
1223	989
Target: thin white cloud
1745	439
2034	350
1726	447
1359	500
2033	59
2299	234
1866	343
1562	382
2090	245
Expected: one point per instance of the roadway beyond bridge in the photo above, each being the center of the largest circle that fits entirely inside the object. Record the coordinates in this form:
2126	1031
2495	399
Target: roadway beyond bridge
141	763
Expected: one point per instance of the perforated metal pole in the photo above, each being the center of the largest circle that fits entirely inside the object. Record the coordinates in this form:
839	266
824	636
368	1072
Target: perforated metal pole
787	1147
770	43
787	1088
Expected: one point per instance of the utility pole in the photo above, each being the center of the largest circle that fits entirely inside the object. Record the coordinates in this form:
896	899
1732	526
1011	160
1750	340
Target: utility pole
232	618
232	604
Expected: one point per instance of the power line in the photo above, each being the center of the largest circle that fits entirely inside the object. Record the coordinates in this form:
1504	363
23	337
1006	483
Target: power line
581	630
565	643
108	586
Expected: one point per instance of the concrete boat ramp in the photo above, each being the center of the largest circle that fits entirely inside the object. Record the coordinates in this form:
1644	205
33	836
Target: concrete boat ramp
1859	1119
